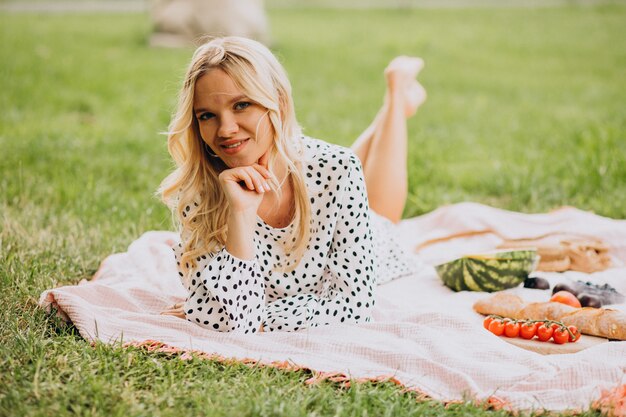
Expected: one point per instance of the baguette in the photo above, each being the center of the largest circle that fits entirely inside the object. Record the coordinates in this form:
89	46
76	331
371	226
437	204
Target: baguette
502	304
549	310
598	322
592	321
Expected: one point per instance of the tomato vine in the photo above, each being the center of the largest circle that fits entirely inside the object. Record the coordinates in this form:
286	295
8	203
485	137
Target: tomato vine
544	329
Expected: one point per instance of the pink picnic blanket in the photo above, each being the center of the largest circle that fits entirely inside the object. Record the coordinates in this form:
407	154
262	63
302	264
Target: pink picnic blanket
424	336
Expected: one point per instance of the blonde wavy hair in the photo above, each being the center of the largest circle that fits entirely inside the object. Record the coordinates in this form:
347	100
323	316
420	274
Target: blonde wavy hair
192	191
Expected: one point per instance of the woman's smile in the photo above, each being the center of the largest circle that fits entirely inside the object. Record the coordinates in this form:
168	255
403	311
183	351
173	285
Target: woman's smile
231	147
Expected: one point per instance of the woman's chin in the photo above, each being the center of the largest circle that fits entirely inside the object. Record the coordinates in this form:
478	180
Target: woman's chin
242	161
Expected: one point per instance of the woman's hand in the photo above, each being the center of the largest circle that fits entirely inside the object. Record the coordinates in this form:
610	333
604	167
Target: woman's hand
245	186
402	85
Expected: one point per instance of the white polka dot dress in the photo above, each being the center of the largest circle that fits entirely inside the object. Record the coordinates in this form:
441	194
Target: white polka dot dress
350	250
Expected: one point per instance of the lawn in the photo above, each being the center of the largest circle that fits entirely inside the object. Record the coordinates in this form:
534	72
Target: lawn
525	112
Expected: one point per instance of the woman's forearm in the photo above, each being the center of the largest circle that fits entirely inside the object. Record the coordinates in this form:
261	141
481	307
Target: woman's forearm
240	239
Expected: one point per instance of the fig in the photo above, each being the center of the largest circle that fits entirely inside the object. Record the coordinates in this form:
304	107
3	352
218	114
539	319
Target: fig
588	300
564	287
536	283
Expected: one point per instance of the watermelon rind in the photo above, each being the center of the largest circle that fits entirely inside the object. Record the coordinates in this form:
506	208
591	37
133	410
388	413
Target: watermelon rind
488	272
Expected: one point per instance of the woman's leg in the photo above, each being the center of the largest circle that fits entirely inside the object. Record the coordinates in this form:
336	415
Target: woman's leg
361	145
382	147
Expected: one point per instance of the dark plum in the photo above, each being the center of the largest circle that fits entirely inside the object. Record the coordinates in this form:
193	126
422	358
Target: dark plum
536	283
588	300
564	287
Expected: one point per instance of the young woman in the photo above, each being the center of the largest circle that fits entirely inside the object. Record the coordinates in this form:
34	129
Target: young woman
280	231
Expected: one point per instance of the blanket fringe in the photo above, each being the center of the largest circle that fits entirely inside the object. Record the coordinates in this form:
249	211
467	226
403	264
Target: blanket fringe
345	380
496	403
188	354
611	403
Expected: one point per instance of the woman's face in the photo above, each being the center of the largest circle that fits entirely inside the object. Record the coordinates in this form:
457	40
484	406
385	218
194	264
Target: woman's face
236	129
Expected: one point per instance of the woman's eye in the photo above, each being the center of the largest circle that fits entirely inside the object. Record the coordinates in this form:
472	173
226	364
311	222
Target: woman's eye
242	105
206	116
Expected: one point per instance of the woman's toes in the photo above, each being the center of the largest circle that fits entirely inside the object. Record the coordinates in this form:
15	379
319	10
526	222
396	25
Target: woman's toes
402	71
405	66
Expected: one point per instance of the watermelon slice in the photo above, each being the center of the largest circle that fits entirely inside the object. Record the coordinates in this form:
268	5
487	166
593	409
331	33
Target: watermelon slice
492	271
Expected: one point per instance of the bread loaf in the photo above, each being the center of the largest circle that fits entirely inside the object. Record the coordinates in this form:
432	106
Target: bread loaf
592	321
561	252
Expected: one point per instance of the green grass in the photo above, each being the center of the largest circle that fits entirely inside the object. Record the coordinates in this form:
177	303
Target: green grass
525	112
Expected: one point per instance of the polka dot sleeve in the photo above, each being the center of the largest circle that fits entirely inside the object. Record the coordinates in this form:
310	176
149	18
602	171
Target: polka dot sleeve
349	275
226	294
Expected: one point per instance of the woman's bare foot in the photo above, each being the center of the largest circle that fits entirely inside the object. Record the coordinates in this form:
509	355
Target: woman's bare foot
402	85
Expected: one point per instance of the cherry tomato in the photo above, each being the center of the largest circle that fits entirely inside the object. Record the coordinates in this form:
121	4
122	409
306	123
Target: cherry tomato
555	326
528	330
560	335
544	333
487	321
565	297
511	329
496	327
576	333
